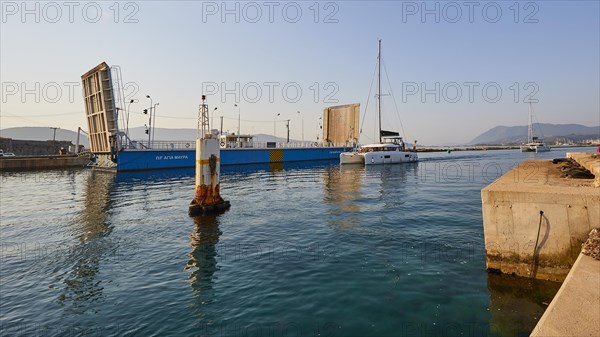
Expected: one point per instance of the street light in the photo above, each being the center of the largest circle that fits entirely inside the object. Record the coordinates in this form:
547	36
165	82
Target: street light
275	129
149	120
302	116
54	138
212	118
154	126
239	122
127	122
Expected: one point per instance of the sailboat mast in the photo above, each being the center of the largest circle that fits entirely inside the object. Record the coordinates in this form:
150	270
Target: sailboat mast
530	128
379	87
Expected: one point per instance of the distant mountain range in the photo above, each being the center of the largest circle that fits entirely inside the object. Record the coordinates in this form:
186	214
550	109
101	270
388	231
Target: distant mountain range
547	132
42	133
497	135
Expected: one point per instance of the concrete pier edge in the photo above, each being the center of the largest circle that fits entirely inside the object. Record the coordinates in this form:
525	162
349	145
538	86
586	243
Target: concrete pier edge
575	310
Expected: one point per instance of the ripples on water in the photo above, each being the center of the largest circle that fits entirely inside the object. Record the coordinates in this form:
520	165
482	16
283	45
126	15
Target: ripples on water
306	249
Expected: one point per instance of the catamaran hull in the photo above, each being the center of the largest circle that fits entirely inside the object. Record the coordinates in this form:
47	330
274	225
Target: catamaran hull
388	157
535	148
378	157
352	158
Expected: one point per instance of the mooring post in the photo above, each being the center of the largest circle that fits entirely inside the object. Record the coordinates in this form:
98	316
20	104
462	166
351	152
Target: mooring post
207	199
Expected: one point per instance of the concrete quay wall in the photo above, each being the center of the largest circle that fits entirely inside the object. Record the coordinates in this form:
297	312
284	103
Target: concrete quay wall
34	163
511	208
575	310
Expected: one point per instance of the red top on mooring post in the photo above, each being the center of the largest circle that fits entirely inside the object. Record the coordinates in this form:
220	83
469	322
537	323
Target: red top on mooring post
203	98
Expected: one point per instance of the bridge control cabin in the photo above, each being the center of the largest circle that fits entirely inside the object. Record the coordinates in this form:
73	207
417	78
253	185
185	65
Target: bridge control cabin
236	141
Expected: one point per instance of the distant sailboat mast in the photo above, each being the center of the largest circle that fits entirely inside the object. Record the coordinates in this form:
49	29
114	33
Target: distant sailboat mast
530	128
533	143
379	88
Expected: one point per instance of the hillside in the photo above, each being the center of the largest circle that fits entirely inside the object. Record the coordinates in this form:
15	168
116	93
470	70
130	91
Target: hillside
497	135
545	131
43	134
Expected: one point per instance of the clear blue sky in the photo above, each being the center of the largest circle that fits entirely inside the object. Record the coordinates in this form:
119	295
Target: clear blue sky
175	50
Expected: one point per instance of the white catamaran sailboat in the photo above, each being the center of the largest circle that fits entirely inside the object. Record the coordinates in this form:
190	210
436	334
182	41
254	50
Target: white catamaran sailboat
390	149
533	144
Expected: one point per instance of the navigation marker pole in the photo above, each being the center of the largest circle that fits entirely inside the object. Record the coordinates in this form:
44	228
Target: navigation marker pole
207	199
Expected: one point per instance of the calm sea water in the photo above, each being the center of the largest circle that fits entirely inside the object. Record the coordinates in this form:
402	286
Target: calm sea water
306	250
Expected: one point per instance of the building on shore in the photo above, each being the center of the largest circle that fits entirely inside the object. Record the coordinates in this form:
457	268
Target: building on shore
37	147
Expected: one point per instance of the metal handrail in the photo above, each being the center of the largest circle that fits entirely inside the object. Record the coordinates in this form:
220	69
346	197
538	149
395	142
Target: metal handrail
186	145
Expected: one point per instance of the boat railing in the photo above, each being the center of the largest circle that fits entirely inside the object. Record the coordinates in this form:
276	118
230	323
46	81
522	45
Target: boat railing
191	144
286	145
163	145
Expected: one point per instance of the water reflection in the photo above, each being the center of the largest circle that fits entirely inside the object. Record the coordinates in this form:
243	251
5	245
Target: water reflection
137	177
202	262
275	167
80	285
517	303
352	191
392	182
393	175
342	189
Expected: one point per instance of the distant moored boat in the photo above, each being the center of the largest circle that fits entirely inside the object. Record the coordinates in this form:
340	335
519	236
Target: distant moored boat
533	145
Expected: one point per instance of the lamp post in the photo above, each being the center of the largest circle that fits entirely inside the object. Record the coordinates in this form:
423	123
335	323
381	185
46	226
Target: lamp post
54	139
239	122
302	117
149	120
154	125
127	121
275	129
212	119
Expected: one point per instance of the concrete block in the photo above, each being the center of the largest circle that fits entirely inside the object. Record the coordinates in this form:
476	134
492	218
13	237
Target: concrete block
511	216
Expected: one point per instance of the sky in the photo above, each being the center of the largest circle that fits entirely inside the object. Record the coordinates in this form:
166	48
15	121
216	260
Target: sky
452	69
